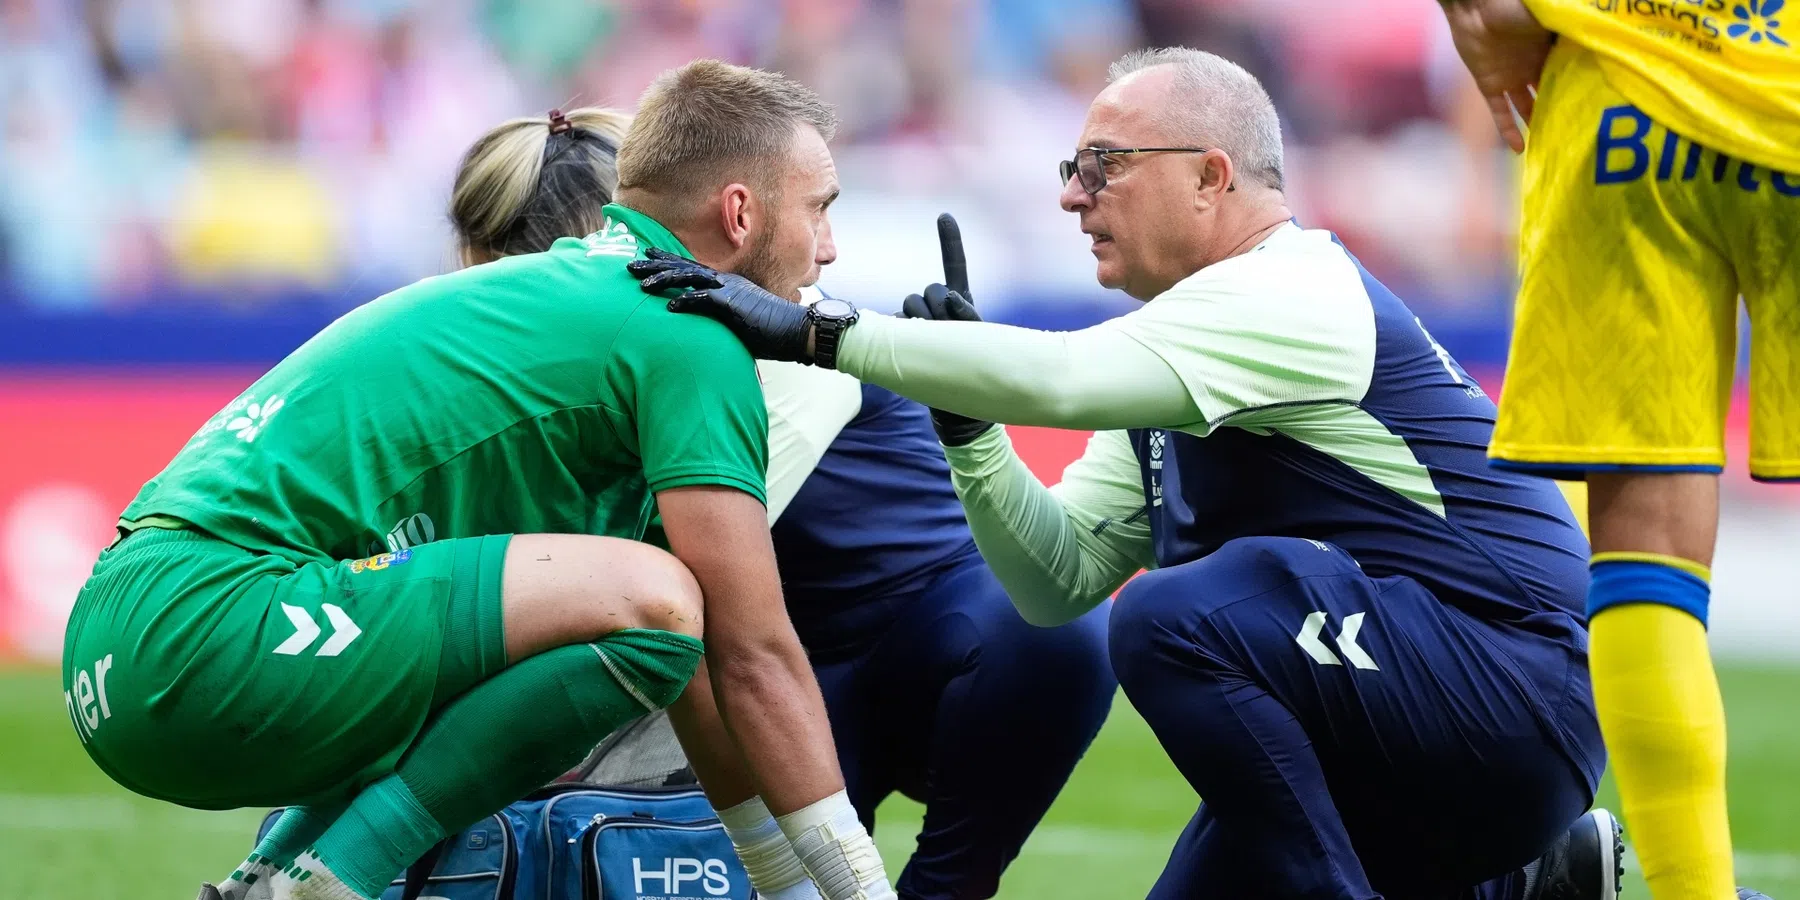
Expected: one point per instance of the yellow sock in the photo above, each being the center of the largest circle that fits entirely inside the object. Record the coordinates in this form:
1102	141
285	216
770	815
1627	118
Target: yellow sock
1664	724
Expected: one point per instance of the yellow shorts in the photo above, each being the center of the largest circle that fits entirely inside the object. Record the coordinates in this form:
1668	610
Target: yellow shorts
1635	247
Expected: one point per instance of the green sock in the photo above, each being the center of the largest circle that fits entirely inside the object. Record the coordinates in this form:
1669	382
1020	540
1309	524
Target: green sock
498	742
295	831
382	832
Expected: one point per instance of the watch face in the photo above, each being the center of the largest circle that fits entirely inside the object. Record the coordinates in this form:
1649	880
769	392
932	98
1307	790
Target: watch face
833	308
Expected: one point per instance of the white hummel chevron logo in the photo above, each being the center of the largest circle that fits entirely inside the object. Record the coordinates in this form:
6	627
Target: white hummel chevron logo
306	630
346	631
1308	639
1346	643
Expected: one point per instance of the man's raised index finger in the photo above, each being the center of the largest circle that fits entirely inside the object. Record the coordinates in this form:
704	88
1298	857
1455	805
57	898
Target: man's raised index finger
956	266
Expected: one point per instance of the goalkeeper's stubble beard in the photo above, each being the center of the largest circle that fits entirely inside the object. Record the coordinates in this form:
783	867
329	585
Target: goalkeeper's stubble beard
761	265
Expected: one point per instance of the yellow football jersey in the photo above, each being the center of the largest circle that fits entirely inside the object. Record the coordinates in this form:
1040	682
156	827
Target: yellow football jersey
1725	73
1635	247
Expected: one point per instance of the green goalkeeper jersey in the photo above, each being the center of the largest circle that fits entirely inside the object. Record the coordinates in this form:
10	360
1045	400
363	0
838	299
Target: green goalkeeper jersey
539	393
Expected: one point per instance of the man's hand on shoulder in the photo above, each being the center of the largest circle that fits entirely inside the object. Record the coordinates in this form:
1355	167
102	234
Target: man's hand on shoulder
949	302
770	326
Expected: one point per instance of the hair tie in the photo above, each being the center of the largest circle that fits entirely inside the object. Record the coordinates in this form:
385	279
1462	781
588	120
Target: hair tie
559	123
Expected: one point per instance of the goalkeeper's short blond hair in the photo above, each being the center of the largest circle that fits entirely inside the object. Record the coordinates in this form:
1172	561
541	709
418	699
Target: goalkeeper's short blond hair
708	124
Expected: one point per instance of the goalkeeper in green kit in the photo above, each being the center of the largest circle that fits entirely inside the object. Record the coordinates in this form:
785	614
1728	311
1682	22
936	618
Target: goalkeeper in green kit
400	582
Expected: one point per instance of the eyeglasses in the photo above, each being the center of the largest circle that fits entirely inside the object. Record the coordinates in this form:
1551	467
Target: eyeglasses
1090	163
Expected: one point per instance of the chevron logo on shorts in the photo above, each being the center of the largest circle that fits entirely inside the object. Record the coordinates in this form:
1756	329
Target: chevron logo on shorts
1309	640
344	632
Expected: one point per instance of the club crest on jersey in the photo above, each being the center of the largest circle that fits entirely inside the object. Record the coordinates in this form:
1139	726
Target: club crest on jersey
613	239
381	561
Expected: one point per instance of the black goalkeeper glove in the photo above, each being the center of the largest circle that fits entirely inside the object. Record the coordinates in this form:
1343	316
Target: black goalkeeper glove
949	302
769	326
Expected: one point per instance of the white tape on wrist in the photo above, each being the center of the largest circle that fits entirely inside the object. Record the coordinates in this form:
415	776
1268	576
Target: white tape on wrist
837	850
765	851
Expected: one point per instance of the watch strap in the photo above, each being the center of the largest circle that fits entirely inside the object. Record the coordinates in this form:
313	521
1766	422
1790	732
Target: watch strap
828	333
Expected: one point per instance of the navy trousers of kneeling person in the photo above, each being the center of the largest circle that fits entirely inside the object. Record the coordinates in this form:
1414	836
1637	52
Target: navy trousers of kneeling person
1352	737
959	704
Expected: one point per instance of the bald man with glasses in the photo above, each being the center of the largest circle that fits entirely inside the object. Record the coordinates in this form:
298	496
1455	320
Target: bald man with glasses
1362	646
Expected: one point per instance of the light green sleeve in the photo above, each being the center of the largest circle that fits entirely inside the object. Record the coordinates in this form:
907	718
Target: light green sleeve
1058	551
807	406
1095	379
1286	324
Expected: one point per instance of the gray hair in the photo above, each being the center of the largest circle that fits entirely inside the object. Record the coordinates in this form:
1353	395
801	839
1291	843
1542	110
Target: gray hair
1218	104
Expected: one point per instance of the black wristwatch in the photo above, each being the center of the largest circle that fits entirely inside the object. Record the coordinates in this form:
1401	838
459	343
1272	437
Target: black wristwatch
830	318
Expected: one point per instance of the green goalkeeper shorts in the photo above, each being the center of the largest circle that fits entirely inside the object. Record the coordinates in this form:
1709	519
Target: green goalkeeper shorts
215	677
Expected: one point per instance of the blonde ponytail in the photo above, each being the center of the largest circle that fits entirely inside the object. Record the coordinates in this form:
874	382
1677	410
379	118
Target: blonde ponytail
530	181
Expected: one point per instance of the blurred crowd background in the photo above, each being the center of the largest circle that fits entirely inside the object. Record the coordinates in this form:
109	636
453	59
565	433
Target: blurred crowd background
254	152
191	188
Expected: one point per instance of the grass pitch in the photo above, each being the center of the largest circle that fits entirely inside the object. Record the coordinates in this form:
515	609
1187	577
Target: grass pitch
67	831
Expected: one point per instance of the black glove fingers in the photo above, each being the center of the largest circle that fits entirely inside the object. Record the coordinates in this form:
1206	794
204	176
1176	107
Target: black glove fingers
676	279
958	307
643	268
700	301
914	308
769	326
956	265
934	301
640	268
